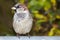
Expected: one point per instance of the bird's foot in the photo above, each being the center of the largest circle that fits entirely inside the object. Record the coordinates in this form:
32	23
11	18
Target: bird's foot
18	35
28	35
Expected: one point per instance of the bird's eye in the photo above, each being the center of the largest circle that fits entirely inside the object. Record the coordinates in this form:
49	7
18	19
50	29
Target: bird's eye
17	7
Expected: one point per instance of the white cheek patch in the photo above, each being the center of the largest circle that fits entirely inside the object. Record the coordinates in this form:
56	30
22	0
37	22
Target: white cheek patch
20	10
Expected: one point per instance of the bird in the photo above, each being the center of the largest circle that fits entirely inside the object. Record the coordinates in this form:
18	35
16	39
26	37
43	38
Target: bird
22	19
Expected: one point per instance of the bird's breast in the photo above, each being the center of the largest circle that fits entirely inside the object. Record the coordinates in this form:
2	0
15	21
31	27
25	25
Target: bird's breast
23	27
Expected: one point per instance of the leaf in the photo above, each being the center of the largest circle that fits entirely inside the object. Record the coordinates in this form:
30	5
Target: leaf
53	2
38	15
58	16
47	5
57	32
36	4
51	33
21	1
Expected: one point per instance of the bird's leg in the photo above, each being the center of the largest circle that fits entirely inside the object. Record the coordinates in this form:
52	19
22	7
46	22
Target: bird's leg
18	35
28	35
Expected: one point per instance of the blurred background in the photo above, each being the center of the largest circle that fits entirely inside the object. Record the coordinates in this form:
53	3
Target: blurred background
46	15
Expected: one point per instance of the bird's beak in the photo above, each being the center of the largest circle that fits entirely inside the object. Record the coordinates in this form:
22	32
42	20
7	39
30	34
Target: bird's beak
13	8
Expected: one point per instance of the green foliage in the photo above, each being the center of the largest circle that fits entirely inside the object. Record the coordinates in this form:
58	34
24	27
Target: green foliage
34	7
36	4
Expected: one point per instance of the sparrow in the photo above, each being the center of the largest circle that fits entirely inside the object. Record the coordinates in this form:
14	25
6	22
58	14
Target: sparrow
22	19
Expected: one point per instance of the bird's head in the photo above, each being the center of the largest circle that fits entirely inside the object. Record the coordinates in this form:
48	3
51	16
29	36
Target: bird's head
19	8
